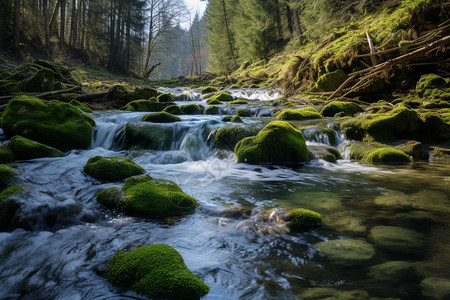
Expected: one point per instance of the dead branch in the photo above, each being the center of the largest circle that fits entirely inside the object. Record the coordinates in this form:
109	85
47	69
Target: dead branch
42	95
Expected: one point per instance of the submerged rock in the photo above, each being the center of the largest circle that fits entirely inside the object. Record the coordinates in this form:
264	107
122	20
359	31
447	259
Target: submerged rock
345	222
155	271
436	288
346	252
52	123
161	117
335	107
306	113
7	174
141	135
397	239
320	293
112	168
395	200
278	142
393	271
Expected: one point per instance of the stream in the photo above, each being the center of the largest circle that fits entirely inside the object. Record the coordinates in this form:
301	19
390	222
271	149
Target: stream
228	242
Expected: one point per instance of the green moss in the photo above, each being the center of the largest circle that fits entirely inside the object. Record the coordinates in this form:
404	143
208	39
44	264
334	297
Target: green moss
173	109
191	109
387	156
413	149
221	96
349	108
161	117
5	74
155	271
323	152
7	174
112	198
82	106
439	154
142	93
6	156
166	97
238	102
9	206
112	168
213	101
433	86
278	142
228	136
212	110
306	113
233	119
9	87
146	105
243	112
141	135
301	218
41	81
331	81
52	123
23	149
208	90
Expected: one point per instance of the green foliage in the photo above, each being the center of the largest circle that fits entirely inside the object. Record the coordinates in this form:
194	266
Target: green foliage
161	117
9	205
141	135
155	271
7	174
301	218
166	97
278	142
52	123
111	168
348	108
173	109
306	113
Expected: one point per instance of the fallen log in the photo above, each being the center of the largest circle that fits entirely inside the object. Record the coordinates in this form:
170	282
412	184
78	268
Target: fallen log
42	95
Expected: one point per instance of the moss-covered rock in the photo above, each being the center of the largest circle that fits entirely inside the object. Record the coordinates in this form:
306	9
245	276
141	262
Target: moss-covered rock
228	136
161	117
173	109
52	123
331	81
141	135
243	112
142	93
146	105
387	156
213	102
348	108
319	293
238	102
166	97
277	143
413	149
346	252
42	81
7	174
23	149
232	119
306	113
397	239
212	110
6	156
435	288
82	106
9	205
221	97
191	109
323	152
208	90
433	86
439	154
112	168
9	87
300	218
155	271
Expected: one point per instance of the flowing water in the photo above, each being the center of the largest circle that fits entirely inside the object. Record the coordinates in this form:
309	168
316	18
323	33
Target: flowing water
230	242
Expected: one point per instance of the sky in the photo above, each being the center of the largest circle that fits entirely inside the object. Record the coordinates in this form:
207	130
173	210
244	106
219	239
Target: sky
196	5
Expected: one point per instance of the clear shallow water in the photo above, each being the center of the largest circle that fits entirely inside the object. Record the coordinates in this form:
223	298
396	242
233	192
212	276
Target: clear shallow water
229	241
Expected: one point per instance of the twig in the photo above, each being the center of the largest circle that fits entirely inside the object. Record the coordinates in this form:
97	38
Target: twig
341	87
372	50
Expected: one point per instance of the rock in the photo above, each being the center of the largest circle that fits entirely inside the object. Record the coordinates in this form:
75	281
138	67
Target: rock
221	97
432	201
393	271
243	112
146	105
191	109
306	113
148	197
9	87
346	252
111	168
300	218
323	152
439	154
387	156
52	123
24	149
348	108
212	110
161	117
141	135
228	136
166	97
208	89
433	86
331	81
7	174
416	217
323	135
436	288
82	106
413	149
173	109
232	119
321	293
397	239
142	93
395	200
238	102
6	156
42	81
344	222
155	271
277	143
9	205
213	102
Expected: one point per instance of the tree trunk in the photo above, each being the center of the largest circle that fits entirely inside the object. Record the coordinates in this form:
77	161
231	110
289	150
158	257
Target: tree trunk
47	24
16	24
62	24
54	18
230	43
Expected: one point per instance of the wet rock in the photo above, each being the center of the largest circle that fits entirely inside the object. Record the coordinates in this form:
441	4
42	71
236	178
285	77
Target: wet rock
146	105
111	168
345	222
432	201
52	123
238	102
397	239
141	135
348	108
166	97
393	271
395	200
436	288
331	81
208	89
82	106
173	109
220	97
161	117
191	109
300	218
243	112
416	217
21	148
323	152
346	252
7	174
9	205
439	154
155	271
212	110
323	135
278	142
376	153
232	119
228	136
306	113
42	81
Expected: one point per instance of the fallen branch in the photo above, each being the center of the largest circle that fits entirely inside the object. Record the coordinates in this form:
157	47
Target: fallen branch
43	95
341	87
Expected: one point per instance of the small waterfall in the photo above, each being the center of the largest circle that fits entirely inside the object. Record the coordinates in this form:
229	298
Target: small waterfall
107	135
255	94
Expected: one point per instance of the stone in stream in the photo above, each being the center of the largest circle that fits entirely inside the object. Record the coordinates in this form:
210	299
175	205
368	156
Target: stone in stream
220	97
232	119
346	252
9	205
306	113
397	239
326	153
155	271
277	143
191	109
243	112
7	174
148	197
53	123
335	107
393	271
23	149
142	135
436	288
432	201
228	136
299	218
345	222
320	293
166	97
112	168
394	200
161	117
212	110
173	109
146	105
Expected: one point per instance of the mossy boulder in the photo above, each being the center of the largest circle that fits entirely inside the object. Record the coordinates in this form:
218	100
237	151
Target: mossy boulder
335	107
221	96
173	109
439	154
299	219
331	81
166	97
161	117
376	153
306	113
52	123
346	252
82	106
323	152
24	149
213	102
42	81
141	135
433	86
208	90
7	174
148	197
112	168
232	119
212	110
155	271
6	156
228	136
9	87
146	105
142	93
191	109
243	112
278	143
9	205
238	102
413	149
